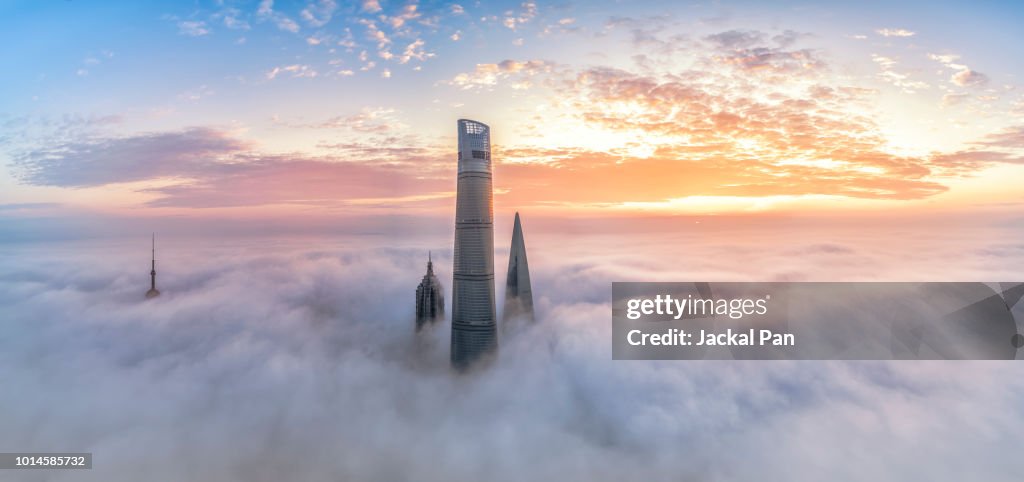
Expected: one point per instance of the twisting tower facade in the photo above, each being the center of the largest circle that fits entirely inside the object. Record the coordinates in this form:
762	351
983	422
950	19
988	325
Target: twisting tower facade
474	332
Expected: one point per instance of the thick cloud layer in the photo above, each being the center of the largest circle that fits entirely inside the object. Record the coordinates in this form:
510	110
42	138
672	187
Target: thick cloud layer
269	360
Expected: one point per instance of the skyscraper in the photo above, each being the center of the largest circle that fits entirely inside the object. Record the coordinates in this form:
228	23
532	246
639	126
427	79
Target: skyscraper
518	292
153	292
429	298
474	331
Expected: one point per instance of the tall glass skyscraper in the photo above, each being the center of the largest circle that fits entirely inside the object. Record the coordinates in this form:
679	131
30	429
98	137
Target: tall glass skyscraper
474	331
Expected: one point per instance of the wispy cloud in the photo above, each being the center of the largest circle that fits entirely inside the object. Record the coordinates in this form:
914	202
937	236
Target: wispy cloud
92	161
196	94
378	36
953	98
486	75
371	6
232	18
294	70
895	32
213	168
513	20
407	14
367	120
319	13
969	78
193	28
1005	146
266	11
962	76
902	80
736	39
753	52
414	51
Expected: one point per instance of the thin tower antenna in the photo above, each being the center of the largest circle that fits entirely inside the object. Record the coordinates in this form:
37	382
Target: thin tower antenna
153	292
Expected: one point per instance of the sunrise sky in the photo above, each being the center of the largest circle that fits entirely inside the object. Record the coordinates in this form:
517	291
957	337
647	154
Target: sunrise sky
306	109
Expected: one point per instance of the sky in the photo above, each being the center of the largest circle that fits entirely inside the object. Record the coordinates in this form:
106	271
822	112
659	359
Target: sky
321	110
297	160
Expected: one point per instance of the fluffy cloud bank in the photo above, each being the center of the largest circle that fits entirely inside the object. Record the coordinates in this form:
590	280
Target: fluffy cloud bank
272	360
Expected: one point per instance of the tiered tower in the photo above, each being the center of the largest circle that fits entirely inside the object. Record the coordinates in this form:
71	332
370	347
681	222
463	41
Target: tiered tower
429	298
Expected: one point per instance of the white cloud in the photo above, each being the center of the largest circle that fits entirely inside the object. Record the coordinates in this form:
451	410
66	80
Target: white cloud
414	51
883	61
408	13
282	21
895	32
193	28
287	24
232	19
513	20
964	76
486	75
319	13
898	79
945	59
969	78
903	81
376	34
196	94
265	8
296	70
347	41
953	98
371	6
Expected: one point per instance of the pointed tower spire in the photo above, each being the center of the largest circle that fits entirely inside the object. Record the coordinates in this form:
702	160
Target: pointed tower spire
429	298
153	292
518	292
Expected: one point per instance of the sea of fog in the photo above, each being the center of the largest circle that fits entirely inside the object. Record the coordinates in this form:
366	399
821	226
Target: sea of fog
277	358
